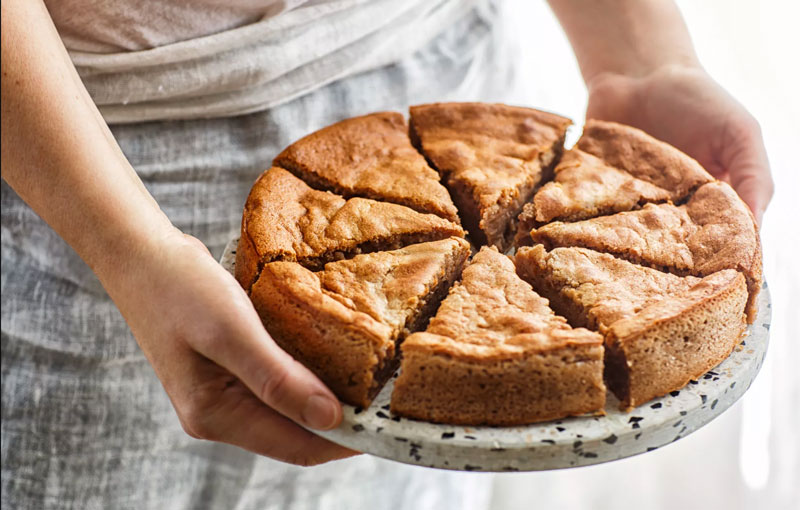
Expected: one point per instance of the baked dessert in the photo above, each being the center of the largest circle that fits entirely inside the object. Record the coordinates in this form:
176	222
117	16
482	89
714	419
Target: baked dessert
643	157
491	157
714	230
613	168
369	156
583	187
345	322
285	219
660	330
496	354
652	271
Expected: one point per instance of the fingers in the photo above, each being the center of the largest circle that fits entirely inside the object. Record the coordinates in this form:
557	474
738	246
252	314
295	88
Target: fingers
745	158
221	409
246	350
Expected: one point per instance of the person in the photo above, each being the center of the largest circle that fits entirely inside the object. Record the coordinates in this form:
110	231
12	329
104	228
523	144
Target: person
108	232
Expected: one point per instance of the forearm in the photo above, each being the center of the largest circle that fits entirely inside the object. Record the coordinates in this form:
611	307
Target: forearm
58	154
627	37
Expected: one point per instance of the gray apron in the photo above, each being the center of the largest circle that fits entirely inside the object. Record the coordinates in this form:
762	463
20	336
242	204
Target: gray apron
85	422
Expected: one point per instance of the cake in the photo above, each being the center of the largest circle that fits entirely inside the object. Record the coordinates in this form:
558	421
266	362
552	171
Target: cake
714	230
496	354
643	273
661	330
491	157
344	322
372	157
584	186
285	219
643	157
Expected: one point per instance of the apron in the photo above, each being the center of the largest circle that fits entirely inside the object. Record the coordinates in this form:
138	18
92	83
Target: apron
85	422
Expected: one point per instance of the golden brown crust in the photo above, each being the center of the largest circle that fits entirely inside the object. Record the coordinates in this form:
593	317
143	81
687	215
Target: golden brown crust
345	348
344	322
372	157
585	187
284	219
677	339
660	330
594	289
643	157
491	324
491	156
714	230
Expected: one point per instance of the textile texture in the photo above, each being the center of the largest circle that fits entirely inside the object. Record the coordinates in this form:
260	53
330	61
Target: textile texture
85	422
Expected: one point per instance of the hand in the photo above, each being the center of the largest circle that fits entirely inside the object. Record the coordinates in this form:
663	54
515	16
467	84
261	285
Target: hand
684	106
225	376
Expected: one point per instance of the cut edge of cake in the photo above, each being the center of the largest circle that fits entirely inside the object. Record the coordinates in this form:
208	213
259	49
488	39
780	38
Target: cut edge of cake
541	371
273	228
353	351
703	316
420	190
489	220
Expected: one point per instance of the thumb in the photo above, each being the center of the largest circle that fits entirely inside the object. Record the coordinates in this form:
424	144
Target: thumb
277	379
745	158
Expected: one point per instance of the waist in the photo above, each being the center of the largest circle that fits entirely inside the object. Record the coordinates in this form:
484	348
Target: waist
263	64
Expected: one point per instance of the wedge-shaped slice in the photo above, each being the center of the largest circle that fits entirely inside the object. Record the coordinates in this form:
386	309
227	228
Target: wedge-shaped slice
371	157
491	157
344	322
285	219
714	230
660	330
584	187
643	157
496	354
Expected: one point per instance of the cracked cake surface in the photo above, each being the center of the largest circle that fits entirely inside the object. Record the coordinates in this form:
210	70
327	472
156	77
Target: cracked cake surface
369	156
491	158
643	157
584	186
496	353
285	219
345	321
642	274
714	230
660	330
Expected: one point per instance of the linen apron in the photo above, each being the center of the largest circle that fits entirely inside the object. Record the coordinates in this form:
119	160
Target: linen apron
85	422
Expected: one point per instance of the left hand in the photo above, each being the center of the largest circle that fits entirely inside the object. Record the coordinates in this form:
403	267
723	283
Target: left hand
685	107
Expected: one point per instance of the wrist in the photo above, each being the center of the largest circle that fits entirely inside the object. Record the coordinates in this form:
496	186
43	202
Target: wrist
664	71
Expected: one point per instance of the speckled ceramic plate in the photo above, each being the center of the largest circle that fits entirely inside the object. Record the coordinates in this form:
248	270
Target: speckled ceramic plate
578	441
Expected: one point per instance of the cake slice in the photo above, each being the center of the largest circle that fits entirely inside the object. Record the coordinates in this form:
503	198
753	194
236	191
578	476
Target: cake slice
371	157
643	157
491	157
345	322
496	354
661	330
584	187
285	219
714	230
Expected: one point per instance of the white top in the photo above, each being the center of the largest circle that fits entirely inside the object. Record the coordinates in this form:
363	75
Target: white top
152	61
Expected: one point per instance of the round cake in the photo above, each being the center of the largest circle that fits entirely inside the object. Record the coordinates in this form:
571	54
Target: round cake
374	244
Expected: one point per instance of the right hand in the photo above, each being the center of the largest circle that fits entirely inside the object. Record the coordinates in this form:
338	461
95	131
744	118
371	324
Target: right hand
225	376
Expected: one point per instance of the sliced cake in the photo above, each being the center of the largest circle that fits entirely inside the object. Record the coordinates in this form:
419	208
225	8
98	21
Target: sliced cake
661	330
714	230
285	219
496	354
345	321
584	187
371	157
491	157
643	157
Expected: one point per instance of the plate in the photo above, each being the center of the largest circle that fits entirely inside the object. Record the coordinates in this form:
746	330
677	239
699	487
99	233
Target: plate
570	442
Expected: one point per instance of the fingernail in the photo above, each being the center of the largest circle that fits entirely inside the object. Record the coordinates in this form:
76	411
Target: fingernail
319	412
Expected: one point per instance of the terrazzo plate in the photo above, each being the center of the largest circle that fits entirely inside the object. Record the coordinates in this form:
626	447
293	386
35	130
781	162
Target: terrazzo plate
570	442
